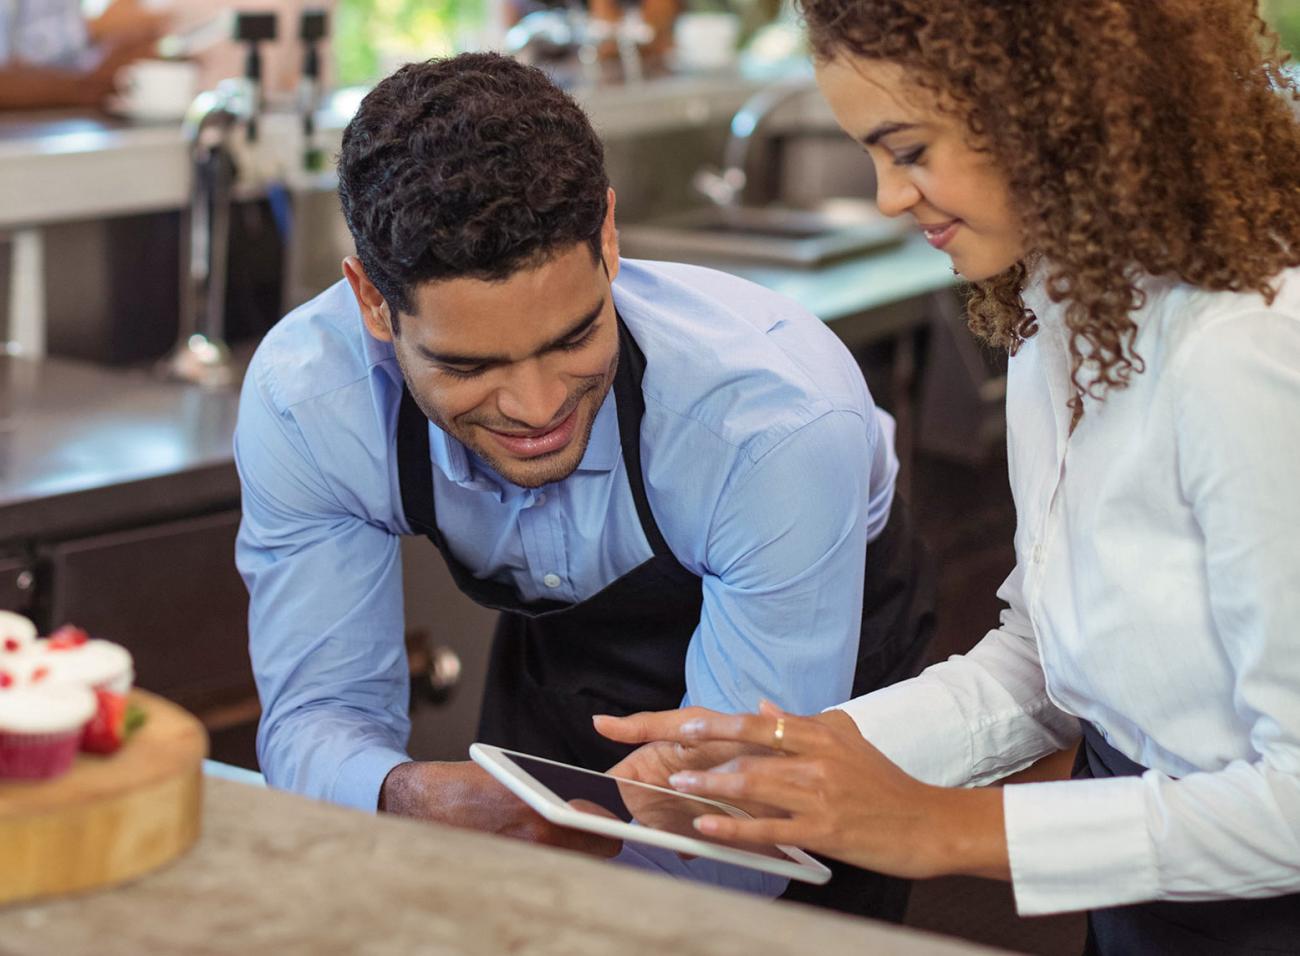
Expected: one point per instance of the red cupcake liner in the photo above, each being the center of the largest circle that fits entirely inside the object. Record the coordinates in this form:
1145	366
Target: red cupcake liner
37	756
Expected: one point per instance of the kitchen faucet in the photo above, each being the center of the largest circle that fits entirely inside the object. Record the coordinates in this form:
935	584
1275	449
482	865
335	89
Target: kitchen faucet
211	125
201	354
726	189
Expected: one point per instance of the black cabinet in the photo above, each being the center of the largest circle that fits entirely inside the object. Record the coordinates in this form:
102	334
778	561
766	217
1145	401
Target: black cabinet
170	594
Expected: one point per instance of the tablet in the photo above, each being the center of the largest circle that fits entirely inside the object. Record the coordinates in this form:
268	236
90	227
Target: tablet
628	810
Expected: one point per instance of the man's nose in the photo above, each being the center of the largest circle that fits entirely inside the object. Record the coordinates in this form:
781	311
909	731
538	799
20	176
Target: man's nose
533	397
895	192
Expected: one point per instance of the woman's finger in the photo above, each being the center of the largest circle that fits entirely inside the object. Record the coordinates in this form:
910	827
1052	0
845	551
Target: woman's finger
787	734
647	726
782	784
761	832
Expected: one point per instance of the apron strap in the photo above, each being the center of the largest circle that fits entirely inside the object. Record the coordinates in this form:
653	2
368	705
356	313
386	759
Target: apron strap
629	400
415	469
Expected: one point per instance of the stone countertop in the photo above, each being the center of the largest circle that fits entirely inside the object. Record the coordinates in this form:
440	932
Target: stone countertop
84	448
276	873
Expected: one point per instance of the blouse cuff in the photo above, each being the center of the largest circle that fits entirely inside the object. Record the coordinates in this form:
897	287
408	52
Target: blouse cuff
1079	844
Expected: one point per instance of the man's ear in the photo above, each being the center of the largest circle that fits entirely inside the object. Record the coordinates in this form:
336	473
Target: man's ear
609	239
374	309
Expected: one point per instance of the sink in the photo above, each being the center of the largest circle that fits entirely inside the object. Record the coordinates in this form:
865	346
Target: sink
776	235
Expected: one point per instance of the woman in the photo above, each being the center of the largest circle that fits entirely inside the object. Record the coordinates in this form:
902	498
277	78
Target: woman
1120	182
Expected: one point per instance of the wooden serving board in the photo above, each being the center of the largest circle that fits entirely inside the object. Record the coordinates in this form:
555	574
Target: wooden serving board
108	819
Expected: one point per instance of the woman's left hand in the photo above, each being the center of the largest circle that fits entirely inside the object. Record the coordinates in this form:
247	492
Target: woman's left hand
844	798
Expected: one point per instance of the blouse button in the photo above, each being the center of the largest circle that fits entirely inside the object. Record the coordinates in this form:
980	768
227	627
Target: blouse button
551	580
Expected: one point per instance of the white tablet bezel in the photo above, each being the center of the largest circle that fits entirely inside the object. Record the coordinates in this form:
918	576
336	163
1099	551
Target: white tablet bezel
497	762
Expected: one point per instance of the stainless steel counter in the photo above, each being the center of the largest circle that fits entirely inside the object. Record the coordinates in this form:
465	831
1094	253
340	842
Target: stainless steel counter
56	167
83	448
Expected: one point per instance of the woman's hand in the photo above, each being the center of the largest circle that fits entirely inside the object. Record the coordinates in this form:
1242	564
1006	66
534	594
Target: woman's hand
658	759
843	798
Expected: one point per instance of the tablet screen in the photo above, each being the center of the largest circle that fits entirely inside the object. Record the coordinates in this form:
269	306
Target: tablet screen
631	802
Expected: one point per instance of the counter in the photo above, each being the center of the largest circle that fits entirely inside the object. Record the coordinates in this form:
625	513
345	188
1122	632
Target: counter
83	447
274	872
56	167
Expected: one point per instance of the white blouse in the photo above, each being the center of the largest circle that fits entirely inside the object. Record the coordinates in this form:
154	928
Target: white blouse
1156	594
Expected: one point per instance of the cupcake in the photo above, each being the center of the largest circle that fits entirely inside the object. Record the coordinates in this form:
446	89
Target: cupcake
71	657
16	634
40	726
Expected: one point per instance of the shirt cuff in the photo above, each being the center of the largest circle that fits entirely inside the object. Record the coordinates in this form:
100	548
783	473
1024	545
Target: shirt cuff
362	775
1079	844
917	725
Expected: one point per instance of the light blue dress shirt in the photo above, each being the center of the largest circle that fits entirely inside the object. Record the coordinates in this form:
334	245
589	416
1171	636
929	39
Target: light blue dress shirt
766	465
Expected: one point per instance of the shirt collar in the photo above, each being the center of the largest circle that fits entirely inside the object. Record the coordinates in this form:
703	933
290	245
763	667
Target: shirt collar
603	450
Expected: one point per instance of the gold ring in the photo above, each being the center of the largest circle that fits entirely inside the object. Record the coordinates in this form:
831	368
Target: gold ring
778	735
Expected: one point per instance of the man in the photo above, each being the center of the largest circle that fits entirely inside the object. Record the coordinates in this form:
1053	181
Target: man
664	477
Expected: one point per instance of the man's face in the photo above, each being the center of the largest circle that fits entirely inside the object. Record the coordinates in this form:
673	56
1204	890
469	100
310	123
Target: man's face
516	370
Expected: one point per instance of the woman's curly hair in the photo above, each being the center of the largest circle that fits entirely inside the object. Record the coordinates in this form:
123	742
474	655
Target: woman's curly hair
1137	136
473	166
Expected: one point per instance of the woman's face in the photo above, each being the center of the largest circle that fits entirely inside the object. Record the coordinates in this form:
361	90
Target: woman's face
925	166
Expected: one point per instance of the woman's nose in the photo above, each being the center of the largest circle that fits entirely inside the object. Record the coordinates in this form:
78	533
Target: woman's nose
895	192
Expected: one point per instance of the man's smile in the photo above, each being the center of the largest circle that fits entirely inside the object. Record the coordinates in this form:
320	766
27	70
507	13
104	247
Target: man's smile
537	443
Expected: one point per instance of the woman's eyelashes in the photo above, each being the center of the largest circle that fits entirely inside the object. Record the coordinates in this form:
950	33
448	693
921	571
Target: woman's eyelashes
909	157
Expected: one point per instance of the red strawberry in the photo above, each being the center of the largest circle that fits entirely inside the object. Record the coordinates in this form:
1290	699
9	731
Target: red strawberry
40	673
107	729
6	680
11	644
67	637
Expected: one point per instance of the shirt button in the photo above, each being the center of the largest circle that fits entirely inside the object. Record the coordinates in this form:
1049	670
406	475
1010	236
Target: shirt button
551	580
541	499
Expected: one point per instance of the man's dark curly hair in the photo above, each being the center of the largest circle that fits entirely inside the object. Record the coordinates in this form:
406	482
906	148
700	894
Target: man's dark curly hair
473	166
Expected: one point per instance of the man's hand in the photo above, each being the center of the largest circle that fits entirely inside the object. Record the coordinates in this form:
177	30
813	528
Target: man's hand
465	795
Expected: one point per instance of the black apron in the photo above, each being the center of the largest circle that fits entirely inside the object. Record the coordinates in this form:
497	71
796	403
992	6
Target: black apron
1211	928
622	650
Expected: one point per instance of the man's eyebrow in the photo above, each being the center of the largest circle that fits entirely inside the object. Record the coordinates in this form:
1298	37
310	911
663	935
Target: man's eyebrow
588	319
883	130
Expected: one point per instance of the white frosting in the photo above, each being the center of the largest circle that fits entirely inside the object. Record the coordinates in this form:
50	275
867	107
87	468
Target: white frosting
15	628
94	664
45	709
